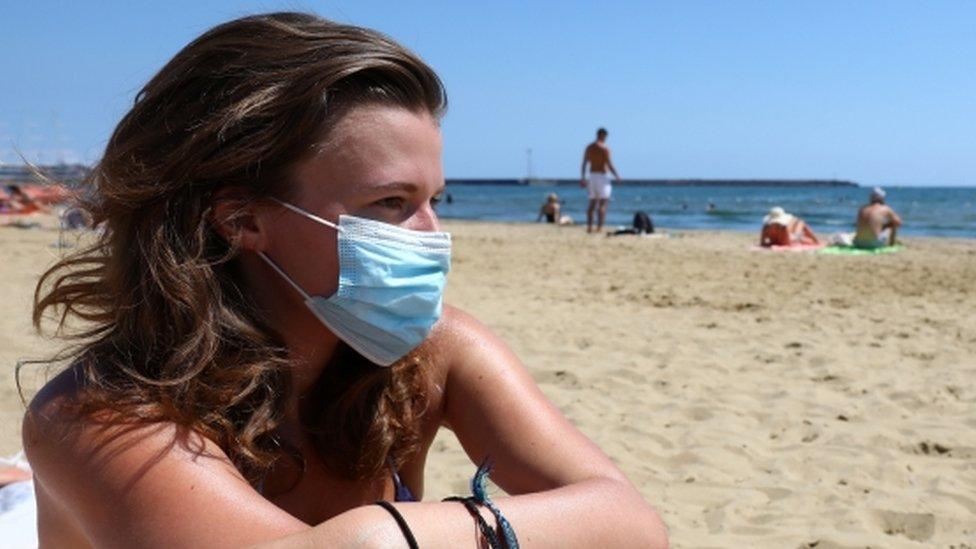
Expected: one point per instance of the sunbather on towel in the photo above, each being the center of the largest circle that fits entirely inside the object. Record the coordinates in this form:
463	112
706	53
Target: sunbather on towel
18	202
783	229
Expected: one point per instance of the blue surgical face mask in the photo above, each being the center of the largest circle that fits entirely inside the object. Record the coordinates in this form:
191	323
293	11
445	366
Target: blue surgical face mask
391	285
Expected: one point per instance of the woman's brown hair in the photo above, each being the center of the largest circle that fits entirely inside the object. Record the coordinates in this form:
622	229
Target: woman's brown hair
168	332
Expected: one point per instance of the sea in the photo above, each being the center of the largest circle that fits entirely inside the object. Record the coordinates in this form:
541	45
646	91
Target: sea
925	211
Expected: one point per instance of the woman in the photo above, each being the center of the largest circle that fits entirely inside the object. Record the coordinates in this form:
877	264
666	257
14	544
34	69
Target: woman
262	352
782	229
550	209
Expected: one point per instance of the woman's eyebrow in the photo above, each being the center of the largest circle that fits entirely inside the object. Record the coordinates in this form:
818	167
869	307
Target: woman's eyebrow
396	186
404	186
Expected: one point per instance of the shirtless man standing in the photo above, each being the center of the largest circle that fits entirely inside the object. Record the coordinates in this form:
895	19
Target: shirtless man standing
597	154
872	222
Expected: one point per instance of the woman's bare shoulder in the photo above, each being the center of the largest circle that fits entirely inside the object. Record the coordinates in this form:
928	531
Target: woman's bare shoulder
445	345
105	465
457	328
61	437
466	348
49	419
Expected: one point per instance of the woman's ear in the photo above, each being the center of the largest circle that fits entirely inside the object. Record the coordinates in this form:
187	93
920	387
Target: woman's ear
240	219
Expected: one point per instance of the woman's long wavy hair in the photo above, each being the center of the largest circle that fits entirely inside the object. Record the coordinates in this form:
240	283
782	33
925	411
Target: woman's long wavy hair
167	331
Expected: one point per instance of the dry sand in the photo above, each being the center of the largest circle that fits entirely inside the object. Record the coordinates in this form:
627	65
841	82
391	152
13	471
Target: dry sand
757	399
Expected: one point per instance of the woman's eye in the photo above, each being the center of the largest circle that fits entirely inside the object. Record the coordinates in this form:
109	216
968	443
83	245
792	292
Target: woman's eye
436	199
392	202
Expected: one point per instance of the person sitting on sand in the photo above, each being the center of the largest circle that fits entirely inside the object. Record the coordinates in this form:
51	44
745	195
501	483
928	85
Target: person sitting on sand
877	223
550	209
782	229
265	353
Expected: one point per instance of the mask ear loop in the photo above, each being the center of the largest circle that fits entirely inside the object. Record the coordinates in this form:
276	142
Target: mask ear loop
278	269
309	215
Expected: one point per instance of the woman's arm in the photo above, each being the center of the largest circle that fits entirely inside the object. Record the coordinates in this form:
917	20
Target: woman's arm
565	491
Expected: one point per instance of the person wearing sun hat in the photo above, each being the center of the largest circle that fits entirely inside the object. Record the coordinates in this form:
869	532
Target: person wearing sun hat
783	229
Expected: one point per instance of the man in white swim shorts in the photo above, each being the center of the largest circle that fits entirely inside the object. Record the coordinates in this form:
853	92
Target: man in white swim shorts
597	155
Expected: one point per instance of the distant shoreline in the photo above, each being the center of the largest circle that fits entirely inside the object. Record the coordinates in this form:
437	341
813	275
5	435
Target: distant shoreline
909	239
543	182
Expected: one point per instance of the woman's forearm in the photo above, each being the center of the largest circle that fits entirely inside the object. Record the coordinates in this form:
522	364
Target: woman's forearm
593	513
371	526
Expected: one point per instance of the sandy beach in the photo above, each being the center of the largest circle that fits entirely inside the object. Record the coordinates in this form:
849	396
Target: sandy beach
757	399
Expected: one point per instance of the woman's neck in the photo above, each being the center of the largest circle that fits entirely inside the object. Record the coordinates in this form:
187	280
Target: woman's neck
310	349
310	344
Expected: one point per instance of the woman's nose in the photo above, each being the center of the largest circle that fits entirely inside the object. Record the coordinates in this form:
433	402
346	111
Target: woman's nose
424	219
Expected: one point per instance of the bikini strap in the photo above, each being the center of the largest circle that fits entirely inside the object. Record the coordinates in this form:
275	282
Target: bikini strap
411	541
401	491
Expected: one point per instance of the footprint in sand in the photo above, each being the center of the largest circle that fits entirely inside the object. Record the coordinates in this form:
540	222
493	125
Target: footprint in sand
773	493
936	449
563	378
827	544
914	526
629	375
826	378
817	361
715	518
765	519
699	414
928	357
839	303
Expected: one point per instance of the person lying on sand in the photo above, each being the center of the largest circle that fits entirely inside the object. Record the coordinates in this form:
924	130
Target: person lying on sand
10	474
266	356
642	225
21	211
782	229
877	223
19	203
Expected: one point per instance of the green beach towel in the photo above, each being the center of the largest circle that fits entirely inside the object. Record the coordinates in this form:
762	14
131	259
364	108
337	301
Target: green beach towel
851	250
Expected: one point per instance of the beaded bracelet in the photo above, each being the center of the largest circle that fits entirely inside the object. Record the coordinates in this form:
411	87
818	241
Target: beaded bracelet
481	496
472	506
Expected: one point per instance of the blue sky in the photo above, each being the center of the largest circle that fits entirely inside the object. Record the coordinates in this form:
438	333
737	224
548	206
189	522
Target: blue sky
875	92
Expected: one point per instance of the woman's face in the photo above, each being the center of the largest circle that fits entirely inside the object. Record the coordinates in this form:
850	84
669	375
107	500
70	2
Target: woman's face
381	163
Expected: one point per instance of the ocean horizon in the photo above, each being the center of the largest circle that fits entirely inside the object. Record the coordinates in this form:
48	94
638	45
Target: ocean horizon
925	211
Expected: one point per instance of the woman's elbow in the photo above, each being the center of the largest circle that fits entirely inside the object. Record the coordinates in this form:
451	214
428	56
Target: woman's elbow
645	527
655	534
649	529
